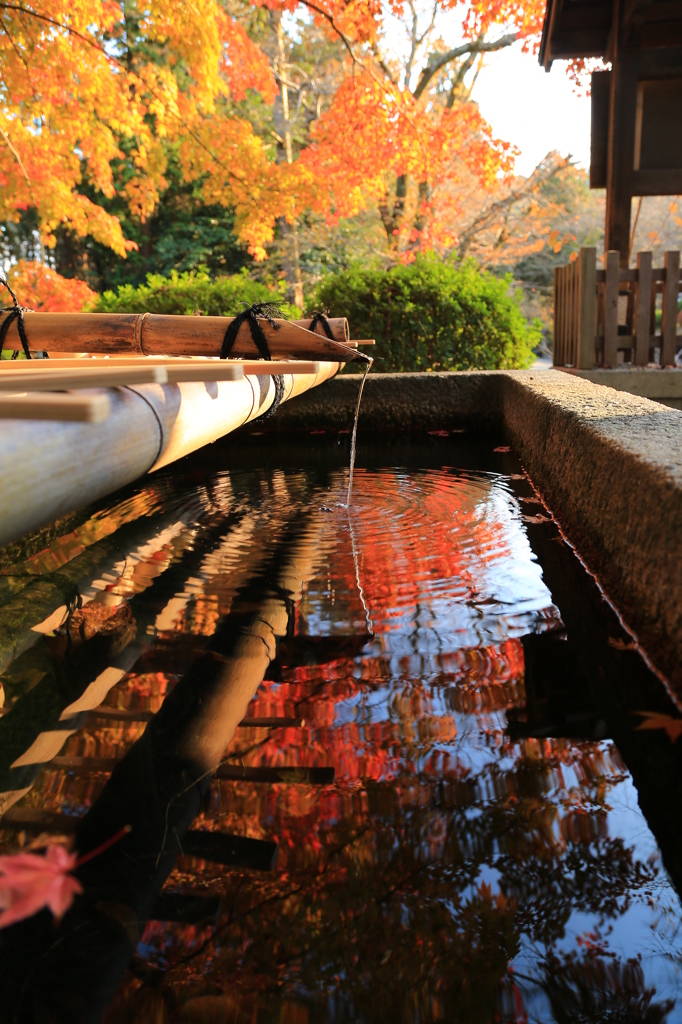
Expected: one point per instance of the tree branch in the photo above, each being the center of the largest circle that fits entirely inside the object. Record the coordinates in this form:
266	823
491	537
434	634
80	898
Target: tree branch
383	65
413	43
439	60
487	216
17	158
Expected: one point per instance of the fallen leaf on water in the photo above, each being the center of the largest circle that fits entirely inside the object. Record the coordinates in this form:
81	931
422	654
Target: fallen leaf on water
622	645
29	882
654	720
502	448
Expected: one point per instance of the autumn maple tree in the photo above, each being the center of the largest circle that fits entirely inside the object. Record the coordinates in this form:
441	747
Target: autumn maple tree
86	85
91	86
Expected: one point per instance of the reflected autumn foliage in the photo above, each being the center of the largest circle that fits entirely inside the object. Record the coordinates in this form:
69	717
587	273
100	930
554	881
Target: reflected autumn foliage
445	849
403	892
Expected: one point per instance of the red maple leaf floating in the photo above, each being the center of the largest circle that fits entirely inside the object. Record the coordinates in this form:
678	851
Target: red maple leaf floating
29	882
654	720
502	448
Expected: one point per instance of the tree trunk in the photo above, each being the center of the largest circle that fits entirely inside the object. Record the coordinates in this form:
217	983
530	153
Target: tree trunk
392	216
421	217
291	263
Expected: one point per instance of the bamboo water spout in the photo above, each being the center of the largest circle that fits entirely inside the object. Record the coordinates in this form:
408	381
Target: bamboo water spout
146	334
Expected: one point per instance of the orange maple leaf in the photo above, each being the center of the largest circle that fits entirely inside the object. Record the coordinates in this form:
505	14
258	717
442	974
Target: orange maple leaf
655	720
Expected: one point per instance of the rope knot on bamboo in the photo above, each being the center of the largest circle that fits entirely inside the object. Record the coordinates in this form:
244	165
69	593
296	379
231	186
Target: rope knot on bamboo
252	315
321	319
15	312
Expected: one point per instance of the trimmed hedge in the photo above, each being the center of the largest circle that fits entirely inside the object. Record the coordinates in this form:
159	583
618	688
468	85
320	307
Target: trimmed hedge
430	315
191	293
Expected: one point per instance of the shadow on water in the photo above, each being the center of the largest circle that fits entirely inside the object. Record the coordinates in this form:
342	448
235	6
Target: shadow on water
404	768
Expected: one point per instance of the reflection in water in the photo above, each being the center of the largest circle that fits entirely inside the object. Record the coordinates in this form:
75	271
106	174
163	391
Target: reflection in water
480	854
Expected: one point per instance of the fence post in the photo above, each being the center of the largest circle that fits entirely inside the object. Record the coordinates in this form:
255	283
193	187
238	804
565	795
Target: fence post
557	347
588	309
643	310
611	308
671	287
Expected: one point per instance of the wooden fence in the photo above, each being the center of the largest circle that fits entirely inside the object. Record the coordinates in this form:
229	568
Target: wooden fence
599	314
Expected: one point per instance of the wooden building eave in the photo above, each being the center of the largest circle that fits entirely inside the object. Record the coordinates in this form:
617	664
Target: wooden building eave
582	28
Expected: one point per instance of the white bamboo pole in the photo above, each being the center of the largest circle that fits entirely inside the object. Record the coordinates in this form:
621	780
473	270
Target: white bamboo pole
48	471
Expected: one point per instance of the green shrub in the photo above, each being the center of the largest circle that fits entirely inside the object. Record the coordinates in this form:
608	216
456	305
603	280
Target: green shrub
430	315
190	293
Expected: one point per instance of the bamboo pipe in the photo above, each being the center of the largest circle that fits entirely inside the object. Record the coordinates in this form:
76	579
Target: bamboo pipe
65	408
337	324
104	377
45	474
156	334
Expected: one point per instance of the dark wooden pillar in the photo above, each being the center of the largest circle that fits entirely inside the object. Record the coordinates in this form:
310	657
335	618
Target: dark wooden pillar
621	148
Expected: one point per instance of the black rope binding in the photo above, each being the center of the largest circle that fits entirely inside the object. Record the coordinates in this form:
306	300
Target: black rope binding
251	315
320	318
278	381
16	312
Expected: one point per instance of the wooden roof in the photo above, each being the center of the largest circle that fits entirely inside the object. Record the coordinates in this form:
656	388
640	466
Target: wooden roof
581	28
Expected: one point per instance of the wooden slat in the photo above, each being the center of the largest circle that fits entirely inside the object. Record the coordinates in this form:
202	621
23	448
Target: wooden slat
66	408
229	850
575	312
666	182
669	307
643	311
611	309
72	378
556	343
271	723
199	368
571	309
215	847
133	715
226	771
299	776
564	317
588	307
186	373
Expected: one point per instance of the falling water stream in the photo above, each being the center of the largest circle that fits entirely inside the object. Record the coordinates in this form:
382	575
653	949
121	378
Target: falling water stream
368	366
397	764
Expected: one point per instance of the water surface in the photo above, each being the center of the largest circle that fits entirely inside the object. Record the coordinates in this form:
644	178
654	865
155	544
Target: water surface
483	824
